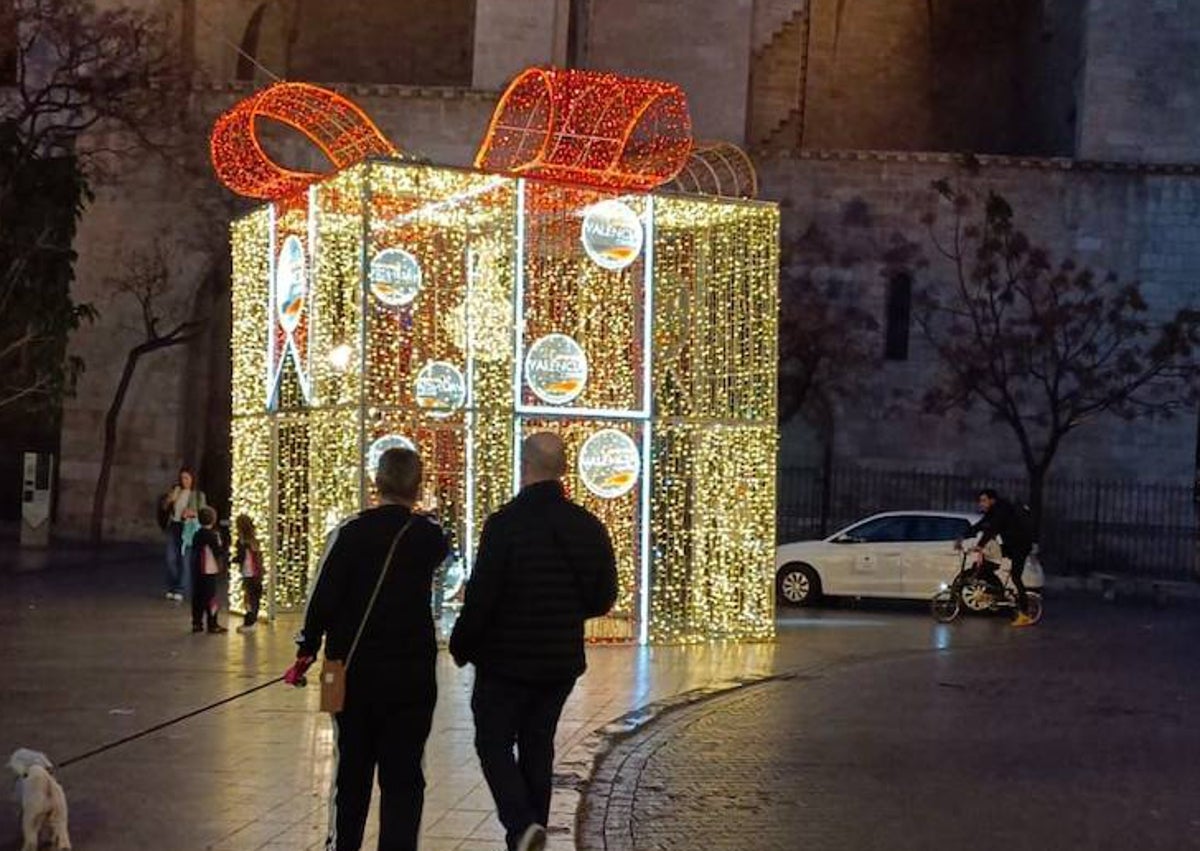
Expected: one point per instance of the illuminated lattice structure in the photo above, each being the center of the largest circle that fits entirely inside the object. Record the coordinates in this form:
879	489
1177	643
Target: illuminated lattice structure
331	122
457	311
590	128
718	168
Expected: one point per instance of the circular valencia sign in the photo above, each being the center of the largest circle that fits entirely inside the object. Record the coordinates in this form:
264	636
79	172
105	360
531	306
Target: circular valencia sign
440	389
612	234
395	277
382	445
556	369
609	463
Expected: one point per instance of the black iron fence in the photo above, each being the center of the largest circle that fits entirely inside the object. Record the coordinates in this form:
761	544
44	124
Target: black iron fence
1118	527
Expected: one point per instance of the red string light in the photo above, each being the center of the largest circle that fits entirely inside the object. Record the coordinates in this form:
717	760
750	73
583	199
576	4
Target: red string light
589	128
581	127
334	124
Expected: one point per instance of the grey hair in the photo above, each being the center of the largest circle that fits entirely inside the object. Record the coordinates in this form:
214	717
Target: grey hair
399	474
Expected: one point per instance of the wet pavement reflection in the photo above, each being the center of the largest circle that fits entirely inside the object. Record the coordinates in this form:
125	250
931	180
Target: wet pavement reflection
92	654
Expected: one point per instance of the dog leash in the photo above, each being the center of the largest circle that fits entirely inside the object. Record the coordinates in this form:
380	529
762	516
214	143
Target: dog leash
135	736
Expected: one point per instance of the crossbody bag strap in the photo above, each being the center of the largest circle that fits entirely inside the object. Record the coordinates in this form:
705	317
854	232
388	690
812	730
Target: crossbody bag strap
374	594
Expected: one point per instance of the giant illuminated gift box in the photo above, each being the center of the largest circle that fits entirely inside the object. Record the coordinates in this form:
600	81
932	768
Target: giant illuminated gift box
457	311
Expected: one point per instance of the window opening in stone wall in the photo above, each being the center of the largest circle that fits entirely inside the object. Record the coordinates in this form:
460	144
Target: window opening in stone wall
899	317
249	48
8	42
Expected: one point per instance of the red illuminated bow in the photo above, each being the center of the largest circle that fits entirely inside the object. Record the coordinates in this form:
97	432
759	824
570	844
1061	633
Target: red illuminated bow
580	127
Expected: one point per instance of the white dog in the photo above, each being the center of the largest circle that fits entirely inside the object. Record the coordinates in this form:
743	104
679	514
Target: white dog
43	804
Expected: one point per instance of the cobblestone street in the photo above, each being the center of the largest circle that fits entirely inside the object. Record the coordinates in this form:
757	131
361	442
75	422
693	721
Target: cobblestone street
94	654
1080	734
882	729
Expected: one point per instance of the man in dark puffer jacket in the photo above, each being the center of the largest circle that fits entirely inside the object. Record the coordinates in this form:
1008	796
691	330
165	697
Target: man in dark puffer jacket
544	566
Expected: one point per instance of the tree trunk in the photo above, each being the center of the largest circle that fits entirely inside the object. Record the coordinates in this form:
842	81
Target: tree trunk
827	433
110	444
826	485
1037	490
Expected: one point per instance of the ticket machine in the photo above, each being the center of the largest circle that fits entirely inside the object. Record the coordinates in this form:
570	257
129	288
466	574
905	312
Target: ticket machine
36	494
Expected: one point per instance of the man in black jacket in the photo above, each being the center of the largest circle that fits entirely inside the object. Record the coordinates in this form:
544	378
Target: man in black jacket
1010	523
390	685
544	566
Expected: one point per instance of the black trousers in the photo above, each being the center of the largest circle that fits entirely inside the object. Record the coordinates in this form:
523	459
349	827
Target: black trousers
510	714
388	734
1018	567
252	589
204	600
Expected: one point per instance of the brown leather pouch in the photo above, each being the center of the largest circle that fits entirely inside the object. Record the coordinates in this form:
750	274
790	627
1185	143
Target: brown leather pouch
333	686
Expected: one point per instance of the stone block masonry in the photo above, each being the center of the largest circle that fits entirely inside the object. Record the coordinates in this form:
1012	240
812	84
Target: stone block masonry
1141	223
1141	84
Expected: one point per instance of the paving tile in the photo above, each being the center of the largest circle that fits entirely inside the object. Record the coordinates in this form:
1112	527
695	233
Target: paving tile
458	824
489	830
432	843
258	767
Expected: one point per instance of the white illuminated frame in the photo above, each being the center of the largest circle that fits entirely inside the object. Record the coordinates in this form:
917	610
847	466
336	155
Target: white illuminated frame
642	416
303	365
521	411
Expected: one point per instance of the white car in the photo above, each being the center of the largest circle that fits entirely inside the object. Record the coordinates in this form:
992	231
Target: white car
902	554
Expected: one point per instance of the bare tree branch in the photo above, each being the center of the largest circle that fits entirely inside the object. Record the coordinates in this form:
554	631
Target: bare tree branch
1047	349
146	280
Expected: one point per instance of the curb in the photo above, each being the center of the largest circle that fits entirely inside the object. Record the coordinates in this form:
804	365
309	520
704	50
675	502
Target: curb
580	772
1111	586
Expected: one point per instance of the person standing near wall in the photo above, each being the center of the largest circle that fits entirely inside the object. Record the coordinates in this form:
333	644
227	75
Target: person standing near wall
179	505
544	566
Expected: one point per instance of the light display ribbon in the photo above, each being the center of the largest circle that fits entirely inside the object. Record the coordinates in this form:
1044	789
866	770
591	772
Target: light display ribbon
333	123
582	127
590	128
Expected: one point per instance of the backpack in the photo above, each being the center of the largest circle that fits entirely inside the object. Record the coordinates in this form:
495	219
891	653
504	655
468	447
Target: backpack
1025	524
164	512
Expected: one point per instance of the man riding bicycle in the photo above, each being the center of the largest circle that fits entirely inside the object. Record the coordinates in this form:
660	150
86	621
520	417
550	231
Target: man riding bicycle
1011	524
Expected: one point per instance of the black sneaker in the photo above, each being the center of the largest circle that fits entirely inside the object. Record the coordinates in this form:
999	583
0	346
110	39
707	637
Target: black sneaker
197	629
216	630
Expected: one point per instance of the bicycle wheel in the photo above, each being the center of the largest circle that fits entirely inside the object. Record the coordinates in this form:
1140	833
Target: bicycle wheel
977	595
946	606
1033	606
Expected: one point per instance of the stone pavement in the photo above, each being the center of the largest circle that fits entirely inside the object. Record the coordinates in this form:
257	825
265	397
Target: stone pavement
92	654
1081	733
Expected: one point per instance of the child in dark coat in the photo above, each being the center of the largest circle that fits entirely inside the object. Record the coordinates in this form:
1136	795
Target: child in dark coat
208	557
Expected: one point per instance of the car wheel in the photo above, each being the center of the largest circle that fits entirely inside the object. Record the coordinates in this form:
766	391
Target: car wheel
797	585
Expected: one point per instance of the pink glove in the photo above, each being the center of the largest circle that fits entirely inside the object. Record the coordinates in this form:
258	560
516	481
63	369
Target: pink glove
294	676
